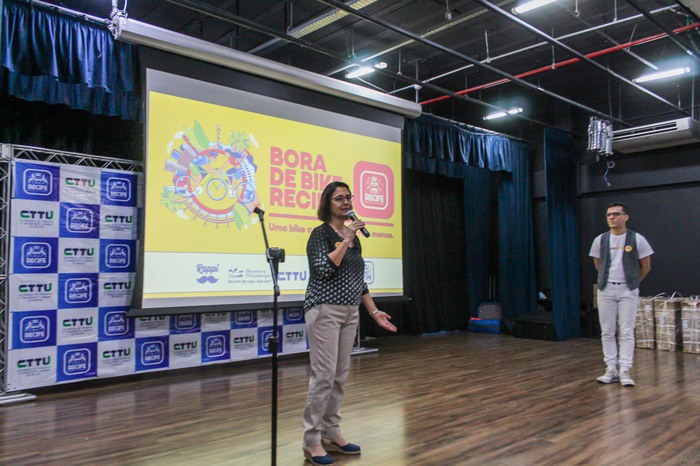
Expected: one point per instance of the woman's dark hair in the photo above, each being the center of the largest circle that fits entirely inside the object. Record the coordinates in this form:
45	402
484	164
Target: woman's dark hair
324	208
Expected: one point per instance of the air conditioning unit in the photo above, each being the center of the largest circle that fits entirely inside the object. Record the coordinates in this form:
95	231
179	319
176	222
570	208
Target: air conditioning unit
657	135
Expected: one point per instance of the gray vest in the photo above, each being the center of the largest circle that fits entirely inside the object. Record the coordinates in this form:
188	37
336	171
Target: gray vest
630	261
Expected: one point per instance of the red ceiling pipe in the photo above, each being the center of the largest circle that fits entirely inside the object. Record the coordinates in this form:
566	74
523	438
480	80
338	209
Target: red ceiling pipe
564	63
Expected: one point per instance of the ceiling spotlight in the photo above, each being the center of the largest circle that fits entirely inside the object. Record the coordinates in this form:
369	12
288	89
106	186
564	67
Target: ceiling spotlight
359	71
381	65
512	111
530	6
662	75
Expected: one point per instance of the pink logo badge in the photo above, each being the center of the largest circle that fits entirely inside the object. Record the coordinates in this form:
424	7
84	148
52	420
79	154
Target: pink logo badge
374	190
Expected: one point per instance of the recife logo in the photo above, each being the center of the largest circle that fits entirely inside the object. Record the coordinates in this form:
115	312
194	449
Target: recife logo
206	273
184	323
34	329
36	255
375	183
264	336
79	220
369	272
215	346
77	290
38	182
243	319
116	324
76	362
153	353
293	315
118	189
118	256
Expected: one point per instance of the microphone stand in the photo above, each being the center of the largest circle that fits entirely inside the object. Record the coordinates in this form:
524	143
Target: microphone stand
274	256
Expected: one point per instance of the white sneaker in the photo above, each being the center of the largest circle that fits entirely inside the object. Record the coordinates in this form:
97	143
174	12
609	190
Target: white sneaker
626	380
610	376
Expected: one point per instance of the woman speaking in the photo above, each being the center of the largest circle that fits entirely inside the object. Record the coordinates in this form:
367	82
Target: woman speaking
331	310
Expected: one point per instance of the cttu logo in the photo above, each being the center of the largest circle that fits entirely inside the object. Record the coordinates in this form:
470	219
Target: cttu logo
35	288
369	272
34	329
118	256
36	255
153	353
215	346
116	324
78	252
185	346
247	339
79	220
118	189
78	322
117	353
34	362
292	276
78	290
77	361
38	182
81	182
36	214
116	286
126	219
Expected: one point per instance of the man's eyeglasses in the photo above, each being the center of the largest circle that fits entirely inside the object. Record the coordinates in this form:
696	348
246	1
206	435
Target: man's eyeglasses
340	199
614	214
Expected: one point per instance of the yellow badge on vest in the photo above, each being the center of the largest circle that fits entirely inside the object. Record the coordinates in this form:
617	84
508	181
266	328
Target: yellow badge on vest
628	248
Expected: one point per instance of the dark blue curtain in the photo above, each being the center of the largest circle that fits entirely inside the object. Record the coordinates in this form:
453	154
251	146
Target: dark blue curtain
560	174
516	250
53	58
438	147
478	199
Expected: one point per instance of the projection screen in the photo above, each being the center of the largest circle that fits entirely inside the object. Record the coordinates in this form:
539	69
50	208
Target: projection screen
214	153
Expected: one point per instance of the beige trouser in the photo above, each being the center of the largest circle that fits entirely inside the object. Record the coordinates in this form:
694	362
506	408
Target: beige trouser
331	331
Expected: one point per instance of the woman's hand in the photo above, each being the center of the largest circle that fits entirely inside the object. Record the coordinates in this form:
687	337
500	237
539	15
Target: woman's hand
382	319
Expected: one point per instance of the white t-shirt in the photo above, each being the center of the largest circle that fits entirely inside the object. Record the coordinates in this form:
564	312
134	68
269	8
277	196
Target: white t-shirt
617	247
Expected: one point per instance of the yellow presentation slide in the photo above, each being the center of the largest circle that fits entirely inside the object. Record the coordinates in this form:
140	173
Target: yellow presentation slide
209	165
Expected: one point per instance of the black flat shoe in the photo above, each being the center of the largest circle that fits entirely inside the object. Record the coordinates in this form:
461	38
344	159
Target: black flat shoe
347	449
326	460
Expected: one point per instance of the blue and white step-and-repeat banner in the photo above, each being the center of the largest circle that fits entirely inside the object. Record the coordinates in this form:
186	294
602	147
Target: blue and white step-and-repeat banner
72	266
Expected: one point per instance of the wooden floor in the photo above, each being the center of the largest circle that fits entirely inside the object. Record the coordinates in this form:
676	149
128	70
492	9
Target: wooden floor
458	399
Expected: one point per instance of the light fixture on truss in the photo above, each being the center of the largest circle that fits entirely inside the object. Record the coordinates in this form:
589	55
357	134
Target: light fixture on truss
600	142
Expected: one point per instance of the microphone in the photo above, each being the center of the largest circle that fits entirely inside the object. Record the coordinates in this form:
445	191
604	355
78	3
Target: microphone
259	211
351	215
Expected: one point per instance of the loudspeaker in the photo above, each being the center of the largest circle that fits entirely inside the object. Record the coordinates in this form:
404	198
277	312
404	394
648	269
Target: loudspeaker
537	325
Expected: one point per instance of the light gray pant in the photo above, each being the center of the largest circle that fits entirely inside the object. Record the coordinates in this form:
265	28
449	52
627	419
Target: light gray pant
331	330
617	304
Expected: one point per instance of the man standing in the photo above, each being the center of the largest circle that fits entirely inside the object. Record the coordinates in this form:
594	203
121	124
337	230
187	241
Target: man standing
622	258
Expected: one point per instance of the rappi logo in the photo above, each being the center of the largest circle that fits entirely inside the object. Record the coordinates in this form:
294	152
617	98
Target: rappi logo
38	182
34	329
215	346
118	256
79	220
206	273
76	361
374	190
78	290
36	255
118	189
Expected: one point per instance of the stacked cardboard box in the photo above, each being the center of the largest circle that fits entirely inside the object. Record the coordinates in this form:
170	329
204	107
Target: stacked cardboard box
690	317
644	335
667	314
